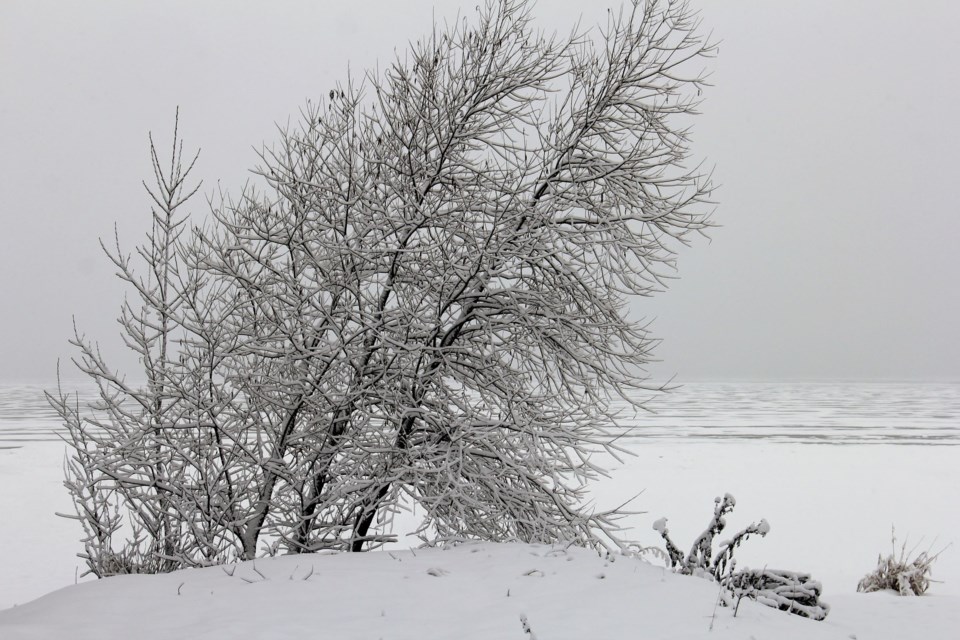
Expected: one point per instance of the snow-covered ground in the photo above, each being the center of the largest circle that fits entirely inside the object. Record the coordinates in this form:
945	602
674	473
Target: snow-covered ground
830	509
473	591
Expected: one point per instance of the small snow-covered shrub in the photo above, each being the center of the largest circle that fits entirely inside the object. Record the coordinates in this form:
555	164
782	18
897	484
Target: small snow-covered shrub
788	591
899	573
700	560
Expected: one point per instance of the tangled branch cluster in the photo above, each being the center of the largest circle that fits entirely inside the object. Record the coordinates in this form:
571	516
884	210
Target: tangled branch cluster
424	303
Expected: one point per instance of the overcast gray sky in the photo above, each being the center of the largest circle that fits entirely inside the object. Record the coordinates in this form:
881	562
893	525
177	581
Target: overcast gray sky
832	127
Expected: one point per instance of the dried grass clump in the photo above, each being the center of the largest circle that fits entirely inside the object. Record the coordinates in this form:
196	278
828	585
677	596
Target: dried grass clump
899	573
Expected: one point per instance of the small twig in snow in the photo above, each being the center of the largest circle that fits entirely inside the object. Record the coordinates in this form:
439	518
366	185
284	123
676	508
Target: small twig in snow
526	627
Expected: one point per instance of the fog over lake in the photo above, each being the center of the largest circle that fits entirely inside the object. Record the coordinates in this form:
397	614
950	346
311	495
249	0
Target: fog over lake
830	126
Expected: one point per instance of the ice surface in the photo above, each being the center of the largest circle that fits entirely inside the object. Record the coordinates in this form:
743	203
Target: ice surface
812	413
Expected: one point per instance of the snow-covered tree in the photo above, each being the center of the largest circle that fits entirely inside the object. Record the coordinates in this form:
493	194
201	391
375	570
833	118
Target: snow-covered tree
423	303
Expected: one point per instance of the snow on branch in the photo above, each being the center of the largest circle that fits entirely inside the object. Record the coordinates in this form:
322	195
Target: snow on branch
422	300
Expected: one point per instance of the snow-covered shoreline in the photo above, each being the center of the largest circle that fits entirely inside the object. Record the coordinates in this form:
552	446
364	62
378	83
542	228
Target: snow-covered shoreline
830	508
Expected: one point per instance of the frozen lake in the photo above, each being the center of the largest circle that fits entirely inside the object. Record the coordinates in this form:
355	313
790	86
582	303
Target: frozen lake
831	466
813	413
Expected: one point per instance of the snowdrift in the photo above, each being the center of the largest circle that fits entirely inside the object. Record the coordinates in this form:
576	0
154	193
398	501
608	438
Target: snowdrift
471	591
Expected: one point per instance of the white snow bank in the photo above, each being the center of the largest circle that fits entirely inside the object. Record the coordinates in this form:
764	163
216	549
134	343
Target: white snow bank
473	591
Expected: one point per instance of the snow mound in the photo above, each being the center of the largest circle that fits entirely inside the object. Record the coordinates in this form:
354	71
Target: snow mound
468	592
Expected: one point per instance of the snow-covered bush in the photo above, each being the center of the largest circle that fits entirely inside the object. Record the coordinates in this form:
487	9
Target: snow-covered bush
900	573
788	591
424	302
700	560
785	590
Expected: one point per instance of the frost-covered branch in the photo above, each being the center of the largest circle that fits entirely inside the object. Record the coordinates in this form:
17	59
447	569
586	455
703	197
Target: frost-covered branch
423	299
